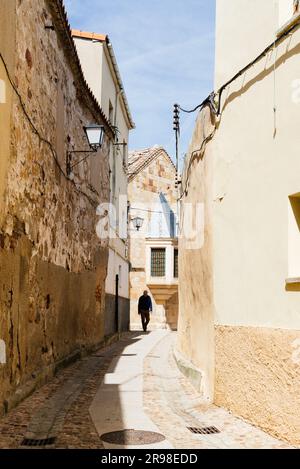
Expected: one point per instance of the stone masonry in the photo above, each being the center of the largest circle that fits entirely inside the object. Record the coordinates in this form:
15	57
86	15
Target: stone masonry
151	172
52	264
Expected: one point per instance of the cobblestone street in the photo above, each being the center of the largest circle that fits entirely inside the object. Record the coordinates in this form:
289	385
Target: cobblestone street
132	384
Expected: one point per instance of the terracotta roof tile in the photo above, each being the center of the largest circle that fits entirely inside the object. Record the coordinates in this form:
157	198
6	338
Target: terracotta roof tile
140	159
88	35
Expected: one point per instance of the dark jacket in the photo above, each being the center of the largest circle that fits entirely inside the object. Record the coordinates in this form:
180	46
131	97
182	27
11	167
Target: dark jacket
145	303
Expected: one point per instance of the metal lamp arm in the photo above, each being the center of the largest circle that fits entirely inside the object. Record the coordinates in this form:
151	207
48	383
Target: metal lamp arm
93	150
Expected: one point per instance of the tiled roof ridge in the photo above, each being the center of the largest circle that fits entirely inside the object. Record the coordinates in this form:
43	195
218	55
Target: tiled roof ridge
88	35
154	152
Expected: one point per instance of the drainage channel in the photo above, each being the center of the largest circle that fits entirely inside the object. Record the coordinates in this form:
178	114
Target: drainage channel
46	424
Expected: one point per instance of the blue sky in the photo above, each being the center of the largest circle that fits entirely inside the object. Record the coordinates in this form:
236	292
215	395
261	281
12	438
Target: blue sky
165	52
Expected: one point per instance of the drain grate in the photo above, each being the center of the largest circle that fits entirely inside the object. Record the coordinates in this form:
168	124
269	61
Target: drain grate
32	442
204	430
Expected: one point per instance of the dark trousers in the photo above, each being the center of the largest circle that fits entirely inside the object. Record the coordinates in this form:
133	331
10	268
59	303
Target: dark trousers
145	316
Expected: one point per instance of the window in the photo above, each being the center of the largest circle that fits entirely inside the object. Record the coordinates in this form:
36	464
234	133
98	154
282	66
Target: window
294	237
175	263
158	262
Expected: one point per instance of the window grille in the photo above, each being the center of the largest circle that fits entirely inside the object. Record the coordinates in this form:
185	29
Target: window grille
175	263
158	262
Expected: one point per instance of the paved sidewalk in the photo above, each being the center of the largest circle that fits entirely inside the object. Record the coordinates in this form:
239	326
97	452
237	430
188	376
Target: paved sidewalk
118	404
174	405
54	411
132	386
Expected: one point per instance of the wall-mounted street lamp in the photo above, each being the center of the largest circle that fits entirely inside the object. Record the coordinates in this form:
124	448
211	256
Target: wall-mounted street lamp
137	223
95	136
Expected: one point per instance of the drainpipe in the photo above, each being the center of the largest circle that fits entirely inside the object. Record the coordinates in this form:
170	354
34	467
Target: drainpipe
118	93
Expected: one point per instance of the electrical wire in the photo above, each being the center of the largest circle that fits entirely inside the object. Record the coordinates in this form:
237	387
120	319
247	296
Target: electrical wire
194	154
210	100
219	93
207	101
147	210
257	59
43	139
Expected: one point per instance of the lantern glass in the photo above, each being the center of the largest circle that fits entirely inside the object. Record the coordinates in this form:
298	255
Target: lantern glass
138	223
95	135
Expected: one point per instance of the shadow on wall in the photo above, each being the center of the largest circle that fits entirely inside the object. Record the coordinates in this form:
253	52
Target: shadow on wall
169	215
172	312
112	311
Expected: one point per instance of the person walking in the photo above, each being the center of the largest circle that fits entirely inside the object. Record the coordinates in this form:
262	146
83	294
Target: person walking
145	307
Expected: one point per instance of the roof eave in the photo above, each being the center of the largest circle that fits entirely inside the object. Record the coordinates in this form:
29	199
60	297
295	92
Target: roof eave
105	40
62	26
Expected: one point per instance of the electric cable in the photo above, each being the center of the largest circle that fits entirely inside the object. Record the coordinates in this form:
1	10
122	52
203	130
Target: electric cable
210	100
43	139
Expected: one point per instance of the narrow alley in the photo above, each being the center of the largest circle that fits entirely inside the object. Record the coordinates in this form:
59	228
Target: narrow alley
149	228
131	385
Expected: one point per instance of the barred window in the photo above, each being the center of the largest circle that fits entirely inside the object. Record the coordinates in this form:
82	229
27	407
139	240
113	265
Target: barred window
158	262
175	263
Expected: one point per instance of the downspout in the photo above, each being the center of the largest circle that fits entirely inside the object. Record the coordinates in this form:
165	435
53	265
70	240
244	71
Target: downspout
114	169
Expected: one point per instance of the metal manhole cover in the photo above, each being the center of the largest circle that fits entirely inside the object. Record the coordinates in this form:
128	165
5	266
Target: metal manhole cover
132	437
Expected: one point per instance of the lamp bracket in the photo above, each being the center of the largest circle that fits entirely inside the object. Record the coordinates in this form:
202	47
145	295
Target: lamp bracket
69	153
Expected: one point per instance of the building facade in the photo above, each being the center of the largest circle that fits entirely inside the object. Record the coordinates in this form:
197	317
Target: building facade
154	248
52	265
102	74
239	322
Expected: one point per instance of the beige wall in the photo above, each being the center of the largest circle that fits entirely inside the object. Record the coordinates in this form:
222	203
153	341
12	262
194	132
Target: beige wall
285	9
255	173
254	247
91	59
254	165
99	73
244	29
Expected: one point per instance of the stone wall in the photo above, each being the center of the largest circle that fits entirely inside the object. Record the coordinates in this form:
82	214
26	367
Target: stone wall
144	189
52	265
7	41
